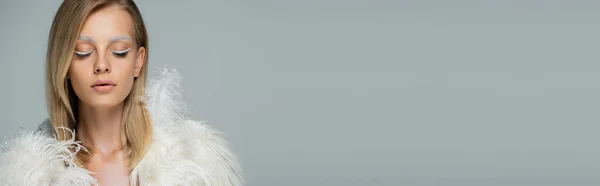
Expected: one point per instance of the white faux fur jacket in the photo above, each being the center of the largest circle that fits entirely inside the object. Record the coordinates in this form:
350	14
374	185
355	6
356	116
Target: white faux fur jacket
183	152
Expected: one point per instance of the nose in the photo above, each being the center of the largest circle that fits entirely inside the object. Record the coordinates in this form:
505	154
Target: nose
99	70
101	66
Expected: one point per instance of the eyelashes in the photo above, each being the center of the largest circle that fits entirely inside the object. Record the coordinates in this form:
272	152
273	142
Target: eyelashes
83	54
117	53
121	53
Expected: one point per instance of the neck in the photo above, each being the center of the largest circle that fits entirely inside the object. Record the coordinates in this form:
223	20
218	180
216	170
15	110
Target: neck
99	129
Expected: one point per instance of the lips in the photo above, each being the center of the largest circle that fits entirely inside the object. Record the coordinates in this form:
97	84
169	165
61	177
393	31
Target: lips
103	85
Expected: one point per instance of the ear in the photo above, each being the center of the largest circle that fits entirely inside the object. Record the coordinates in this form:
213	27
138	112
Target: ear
139	62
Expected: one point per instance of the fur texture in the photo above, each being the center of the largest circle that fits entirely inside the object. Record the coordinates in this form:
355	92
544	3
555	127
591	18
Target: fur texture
183	151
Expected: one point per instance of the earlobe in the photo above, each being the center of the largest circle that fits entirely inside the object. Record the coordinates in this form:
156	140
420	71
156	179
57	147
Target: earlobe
137	72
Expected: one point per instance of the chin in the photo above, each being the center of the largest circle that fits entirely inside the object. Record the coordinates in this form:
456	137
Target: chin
103	100
105	103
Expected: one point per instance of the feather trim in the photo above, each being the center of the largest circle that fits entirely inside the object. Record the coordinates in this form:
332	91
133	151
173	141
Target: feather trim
186	152
37	158
209	150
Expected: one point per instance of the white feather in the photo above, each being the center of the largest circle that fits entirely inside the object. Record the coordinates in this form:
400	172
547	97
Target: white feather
37	158
163	98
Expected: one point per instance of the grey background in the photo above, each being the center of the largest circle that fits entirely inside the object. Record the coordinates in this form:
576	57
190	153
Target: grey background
378	92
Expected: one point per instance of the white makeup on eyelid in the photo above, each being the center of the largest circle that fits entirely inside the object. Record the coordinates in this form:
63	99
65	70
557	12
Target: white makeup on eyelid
114	51
121	51
84	53
114	39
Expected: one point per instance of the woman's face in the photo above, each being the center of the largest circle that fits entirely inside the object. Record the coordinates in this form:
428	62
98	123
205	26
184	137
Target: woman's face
106	58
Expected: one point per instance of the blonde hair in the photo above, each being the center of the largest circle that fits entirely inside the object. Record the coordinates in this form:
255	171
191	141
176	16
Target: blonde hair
61	99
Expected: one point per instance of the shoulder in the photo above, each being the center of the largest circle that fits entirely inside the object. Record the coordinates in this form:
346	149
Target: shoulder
37	158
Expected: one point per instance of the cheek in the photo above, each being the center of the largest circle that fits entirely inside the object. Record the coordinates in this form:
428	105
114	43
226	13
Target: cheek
78	79
125	74
125	65
124	70
127	82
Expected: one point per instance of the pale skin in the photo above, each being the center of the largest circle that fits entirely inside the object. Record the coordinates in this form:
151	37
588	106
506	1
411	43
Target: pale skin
105	50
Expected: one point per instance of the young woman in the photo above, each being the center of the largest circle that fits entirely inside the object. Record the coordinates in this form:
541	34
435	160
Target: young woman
104	126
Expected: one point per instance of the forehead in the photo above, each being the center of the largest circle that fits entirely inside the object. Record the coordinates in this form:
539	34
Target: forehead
107	22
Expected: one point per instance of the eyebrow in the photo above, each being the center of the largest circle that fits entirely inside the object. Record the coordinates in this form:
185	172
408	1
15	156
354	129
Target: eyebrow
111	40
119	38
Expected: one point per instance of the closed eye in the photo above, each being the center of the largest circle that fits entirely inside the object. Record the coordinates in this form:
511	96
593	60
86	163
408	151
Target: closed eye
121	53
83	54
